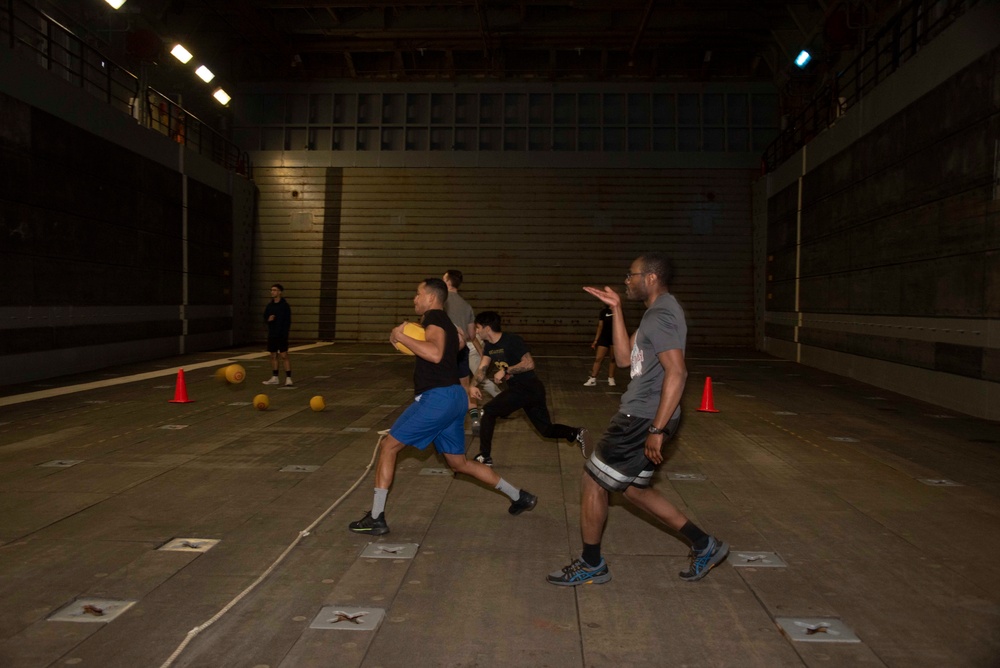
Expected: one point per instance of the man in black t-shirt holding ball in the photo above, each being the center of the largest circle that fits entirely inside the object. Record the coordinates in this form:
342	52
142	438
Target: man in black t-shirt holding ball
437	414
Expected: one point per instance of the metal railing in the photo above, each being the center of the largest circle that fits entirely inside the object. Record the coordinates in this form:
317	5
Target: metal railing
903	35
57	49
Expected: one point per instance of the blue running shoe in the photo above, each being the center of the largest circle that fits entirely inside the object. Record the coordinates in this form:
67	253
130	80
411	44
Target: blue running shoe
579	573
705	560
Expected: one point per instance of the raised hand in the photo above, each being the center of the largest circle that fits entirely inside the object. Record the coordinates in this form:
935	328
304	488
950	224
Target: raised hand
607	295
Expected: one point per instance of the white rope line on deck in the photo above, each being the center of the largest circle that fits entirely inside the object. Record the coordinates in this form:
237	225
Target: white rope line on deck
193	633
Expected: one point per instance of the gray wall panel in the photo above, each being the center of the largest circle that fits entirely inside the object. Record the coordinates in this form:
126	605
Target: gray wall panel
527	240
898	263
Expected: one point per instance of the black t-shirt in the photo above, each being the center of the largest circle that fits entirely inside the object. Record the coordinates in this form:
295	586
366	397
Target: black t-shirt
282	312
507	352
427	375
607	330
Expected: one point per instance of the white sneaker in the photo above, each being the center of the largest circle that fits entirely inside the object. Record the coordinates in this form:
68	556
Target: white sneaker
611	382
288	382
273	380
590	382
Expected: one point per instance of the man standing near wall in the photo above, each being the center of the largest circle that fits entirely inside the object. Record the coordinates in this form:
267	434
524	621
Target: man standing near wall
278	316
650	413
512	362
437	414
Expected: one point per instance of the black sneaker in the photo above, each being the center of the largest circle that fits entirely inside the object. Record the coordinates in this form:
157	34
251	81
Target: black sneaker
579	573
705	560
585	442
526	501
369	524
483	459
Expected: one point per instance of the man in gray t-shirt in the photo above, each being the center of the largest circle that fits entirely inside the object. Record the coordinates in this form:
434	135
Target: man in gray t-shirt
461	314
631	448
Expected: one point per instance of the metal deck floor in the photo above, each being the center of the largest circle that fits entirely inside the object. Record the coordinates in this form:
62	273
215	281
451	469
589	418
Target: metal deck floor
884	510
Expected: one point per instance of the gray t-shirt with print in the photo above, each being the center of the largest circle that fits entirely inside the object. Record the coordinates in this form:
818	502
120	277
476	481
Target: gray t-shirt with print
662	328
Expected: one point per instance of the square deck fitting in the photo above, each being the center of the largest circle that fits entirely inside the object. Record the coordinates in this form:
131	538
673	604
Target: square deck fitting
337	618
299	468
940	416
388	405
940	482
746	559
875	398
686	476
175	426
163	387
190	545
816	629
390	550
61	463
784	413
320	376
843	439
355	430
96	401
91	610
240	403
747	396
447	472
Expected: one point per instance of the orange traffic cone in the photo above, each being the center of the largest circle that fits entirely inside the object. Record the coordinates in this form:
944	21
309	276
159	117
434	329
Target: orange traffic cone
180	392
707	403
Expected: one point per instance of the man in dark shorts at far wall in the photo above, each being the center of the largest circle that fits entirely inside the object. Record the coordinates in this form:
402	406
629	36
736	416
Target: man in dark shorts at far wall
507	357
278	316
437	414
631	448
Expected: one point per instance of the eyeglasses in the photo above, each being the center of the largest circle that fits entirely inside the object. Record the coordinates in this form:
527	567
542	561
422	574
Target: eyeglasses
628	276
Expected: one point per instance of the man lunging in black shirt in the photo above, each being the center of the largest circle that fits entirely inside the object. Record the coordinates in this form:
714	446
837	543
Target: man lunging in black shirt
512	362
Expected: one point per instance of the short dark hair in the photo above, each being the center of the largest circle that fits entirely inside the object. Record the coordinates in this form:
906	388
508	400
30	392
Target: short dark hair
489	319
438	287
280	287
658	263
455	276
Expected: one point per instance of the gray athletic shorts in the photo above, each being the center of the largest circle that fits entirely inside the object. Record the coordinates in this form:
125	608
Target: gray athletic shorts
619	460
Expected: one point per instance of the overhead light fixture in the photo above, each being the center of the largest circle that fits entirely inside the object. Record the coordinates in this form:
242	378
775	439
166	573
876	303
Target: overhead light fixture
222	96
803	58
204	74
117	4
180	53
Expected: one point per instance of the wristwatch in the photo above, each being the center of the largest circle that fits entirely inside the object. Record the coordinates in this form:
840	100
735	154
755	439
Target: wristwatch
655	430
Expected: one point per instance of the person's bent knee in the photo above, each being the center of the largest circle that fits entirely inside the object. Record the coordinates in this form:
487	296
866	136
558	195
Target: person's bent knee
391	444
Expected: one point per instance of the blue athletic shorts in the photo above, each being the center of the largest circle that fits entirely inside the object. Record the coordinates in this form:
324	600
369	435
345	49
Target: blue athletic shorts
437	416
619	460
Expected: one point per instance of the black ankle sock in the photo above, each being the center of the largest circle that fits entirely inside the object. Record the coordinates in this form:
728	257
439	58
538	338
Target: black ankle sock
592	554
698	538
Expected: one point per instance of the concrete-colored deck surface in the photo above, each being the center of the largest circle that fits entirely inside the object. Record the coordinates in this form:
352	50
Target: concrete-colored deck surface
820	470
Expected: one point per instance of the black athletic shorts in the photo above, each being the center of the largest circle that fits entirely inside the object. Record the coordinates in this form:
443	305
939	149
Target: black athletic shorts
619	460
277	345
